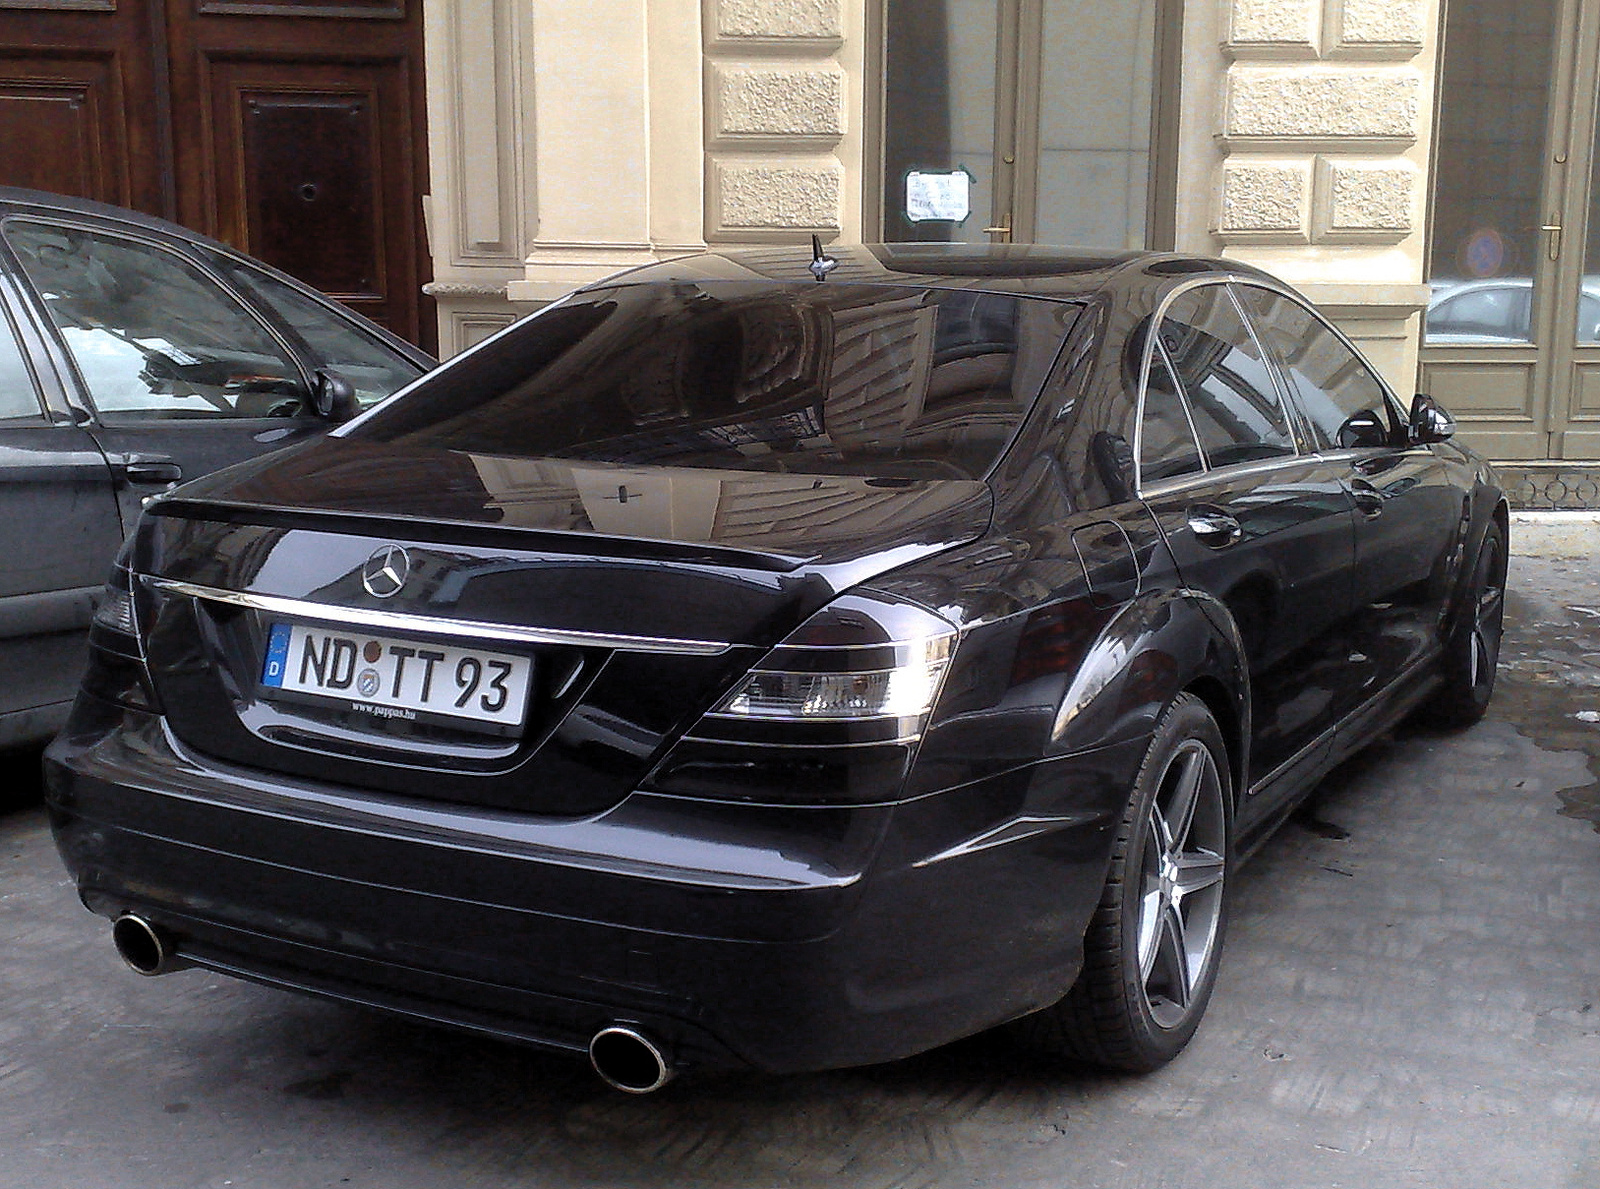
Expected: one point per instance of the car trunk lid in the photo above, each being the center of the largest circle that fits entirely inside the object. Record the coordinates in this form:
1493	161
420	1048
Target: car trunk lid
631	621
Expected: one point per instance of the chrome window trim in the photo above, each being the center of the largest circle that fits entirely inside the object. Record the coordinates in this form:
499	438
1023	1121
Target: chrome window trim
1162	487
1299	429
400	621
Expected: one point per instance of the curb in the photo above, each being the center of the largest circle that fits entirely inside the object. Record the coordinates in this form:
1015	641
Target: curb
1566	535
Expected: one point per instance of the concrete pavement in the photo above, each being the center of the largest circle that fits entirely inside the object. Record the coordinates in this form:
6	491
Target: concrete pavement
1410	997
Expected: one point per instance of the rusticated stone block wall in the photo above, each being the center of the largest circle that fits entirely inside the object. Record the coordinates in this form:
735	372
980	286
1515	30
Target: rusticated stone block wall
776	106
1324	103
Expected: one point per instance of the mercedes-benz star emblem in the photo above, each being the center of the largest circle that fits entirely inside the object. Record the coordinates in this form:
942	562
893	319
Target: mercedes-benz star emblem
386	571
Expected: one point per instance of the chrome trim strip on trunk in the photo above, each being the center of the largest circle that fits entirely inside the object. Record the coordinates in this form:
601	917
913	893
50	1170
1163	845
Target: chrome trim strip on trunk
402	622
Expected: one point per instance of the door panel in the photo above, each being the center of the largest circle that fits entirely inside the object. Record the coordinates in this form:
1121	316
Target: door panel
1286	579
292	129
59	529
298	141
77	101
1514	325
320	173
1409	517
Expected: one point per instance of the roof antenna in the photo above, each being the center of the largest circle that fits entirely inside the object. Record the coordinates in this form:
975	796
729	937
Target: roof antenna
820	265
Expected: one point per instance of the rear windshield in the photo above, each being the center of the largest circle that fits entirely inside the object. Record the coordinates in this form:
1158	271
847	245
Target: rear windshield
823	379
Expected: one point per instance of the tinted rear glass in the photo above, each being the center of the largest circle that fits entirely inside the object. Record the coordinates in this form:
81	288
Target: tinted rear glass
822	379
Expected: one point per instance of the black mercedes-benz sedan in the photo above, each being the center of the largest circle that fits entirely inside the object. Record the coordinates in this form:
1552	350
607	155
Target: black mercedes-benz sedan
759	660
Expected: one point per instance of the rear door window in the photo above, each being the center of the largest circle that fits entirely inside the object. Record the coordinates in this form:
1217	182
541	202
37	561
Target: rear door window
1166	435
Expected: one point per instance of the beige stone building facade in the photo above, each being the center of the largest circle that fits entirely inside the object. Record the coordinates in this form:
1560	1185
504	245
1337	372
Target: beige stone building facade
570	140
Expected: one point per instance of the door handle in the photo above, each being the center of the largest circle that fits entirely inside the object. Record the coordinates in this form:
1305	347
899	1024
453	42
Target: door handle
1004	229
1214	527
1553	245
1368	499
147	468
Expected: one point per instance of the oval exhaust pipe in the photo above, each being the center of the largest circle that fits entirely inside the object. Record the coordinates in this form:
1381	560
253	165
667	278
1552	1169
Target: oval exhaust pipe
147	948
629	1061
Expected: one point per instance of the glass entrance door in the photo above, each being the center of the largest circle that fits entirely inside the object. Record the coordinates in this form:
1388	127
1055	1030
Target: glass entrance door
1511	339
1026	121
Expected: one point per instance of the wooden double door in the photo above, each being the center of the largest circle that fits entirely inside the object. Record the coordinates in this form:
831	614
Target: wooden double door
292	129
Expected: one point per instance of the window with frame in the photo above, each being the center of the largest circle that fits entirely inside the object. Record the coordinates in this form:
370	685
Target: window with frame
1340	397
372	368
19	397
1233	399
152	336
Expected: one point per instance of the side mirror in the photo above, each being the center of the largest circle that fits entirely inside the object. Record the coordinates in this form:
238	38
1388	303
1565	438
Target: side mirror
332	397
1364	430
1429	422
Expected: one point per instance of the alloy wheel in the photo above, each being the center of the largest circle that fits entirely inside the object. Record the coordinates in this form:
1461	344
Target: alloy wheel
1181	882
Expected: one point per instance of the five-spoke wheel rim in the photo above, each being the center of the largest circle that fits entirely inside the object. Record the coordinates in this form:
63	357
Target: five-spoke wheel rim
1181	882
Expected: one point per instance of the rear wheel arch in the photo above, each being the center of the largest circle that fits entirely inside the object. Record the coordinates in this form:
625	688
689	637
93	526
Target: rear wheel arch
1231	721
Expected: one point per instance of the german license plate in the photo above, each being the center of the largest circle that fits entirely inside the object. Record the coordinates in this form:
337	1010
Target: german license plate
398	679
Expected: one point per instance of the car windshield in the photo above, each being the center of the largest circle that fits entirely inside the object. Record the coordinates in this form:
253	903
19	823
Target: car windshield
821	379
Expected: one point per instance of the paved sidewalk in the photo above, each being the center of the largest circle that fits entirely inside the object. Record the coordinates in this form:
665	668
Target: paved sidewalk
1410	998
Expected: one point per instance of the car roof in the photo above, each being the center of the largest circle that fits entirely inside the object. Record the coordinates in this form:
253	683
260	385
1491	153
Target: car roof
1024	269
40	201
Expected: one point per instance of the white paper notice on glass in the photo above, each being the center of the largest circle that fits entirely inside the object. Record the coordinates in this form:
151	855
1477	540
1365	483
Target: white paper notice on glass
938	195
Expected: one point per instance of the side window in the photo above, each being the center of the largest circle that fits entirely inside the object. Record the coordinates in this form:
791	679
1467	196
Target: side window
1233	399
373	369
1166	437
19	399
152	336
1342	399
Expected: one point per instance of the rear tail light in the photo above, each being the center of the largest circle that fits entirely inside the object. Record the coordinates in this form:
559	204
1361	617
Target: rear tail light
832	714
115	613
117	671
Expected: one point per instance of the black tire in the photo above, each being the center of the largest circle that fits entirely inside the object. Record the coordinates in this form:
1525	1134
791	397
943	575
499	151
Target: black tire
1151	950
1472	650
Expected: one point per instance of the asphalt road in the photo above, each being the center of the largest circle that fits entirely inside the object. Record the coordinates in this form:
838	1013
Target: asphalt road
1411	997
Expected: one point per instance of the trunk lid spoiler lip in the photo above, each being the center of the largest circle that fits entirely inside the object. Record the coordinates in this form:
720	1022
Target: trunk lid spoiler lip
841	572
461	532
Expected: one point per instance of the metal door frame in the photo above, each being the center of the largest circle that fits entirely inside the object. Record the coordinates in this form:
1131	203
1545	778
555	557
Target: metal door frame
1552	359
1019	69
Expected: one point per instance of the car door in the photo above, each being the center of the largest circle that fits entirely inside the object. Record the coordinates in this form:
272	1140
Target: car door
1410	510
181	376
59	529
1251	519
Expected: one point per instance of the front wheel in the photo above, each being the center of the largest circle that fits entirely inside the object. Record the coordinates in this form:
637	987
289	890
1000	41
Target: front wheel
1151	950
1472	651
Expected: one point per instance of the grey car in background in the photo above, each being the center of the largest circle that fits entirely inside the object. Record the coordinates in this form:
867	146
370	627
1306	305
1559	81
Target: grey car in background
135	354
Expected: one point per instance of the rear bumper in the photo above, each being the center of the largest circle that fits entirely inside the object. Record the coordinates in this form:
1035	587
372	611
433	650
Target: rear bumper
785	939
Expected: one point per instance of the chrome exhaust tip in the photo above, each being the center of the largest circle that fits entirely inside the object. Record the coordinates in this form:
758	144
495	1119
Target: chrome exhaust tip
629	1061
147	948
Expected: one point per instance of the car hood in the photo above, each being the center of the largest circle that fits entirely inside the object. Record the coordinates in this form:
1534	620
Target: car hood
770	520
